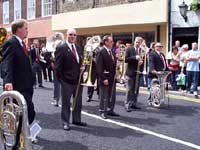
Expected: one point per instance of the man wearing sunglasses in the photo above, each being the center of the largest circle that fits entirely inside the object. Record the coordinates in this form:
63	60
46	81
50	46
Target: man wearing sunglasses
68	58
157	61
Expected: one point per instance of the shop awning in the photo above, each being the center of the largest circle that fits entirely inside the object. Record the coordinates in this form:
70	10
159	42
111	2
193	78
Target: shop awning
139	13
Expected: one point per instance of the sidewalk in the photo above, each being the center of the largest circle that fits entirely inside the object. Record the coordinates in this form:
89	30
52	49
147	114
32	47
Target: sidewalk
171	92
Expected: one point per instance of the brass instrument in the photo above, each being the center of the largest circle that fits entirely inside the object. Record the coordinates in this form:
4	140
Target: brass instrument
3	35
14	121
91	45
54	41
121	68
142	55
158	89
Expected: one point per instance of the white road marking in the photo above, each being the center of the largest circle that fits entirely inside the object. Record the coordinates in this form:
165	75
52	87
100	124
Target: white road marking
144	131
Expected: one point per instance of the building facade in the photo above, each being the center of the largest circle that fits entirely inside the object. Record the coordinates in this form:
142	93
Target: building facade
123	19
185	30
37	12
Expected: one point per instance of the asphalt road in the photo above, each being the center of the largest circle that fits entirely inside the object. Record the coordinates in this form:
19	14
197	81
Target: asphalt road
169	128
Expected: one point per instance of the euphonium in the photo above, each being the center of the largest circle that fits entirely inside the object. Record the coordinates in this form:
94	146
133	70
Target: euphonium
3	35
14	121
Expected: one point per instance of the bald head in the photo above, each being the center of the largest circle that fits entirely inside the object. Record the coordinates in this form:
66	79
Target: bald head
71	35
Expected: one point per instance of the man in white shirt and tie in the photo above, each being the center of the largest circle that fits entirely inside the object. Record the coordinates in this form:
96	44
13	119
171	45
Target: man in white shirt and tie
68	58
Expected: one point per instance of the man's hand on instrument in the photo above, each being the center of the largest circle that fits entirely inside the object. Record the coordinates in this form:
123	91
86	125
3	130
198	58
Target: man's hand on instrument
140	62
105	82
138	57
82	69
8	87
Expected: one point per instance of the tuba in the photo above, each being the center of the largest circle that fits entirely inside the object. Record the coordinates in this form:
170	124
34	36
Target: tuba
3	35
14	126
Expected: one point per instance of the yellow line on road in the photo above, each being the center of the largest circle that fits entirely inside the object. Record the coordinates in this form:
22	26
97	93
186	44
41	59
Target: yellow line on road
172	96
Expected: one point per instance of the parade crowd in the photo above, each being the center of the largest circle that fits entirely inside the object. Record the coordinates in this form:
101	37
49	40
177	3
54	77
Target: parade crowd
132	65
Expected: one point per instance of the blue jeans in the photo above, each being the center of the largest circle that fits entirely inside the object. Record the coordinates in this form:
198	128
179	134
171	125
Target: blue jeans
192	77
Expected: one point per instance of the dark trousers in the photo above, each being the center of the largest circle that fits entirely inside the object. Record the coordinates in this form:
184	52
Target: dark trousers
67	91
56	89
37	72
107	97
132	93
192	76
30	106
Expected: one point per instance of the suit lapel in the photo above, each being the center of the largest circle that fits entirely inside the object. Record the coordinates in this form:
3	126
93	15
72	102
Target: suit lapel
68	50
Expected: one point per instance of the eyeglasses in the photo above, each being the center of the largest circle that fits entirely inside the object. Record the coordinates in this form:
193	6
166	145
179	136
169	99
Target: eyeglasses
159	46
72	34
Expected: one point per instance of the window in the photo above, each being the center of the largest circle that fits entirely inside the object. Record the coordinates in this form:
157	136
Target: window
17	9
31	9
46	8
6	12
147	36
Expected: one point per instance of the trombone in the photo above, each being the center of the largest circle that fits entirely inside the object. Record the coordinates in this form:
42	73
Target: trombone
142	55
91	45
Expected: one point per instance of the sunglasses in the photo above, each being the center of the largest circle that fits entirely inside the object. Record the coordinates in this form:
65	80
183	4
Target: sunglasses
72	34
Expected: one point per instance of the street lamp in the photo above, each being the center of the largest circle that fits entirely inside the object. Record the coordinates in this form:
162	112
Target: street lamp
183	8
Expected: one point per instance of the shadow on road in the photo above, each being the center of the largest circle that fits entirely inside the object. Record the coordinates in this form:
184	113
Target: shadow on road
102	131
57	145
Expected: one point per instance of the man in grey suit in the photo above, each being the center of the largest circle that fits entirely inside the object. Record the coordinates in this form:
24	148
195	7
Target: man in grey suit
68	58
134	65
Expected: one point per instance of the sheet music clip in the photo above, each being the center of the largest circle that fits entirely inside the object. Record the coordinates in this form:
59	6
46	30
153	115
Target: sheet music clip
35	129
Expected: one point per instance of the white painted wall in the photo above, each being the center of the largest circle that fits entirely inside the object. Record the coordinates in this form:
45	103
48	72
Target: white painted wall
178	21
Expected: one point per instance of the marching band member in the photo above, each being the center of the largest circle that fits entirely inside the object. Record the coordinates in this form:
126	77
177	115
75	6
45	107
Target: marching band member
157	61
68	58
134	62
106	68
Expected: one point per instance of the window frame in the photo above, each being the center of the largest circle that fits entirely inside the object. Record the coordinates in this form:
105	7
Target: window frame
6	3
47	14
20	9
32	7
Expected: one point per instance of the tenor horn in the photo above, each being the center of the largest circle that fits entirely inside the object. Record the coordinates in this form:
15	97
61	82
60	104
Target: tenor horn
14	126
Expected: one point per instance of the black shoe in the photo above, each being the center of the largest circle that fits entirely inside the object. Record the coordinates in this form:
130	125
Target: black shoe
41	86
196	96
135	107
103	116
112	113
66	127
80	123
88	99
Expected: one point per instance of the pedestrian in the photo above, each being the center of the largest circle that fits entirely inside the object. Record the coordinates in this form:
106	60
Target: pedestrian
18	74
106	69
68	58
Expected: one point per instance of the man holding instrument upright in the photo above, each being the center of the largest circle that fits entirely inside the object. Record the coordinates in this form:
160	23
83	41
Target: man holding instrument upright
68	59
106	68
134	67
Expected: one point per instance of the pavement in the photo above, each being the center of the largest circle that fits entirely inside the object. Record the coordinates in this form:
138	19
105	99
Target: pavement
168	128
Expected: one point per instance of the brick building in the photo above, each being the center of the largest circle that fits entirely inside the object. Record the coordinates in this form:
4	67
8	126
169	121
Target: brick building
37	12
123	19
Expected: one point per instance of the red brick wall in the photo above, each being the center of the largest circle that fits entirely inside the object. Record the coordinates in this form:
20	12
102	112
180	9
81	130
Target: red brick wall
11	11
24	9
1	12
38	8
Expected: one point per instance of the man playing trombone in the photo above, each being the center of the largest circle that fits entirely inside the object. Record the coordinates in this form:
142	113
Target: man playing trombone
134	67
68	58
106	68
